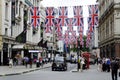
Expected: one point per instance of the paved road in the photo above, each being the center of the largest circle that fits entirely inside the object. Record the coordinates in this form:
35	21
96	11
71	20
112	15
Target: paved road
47	74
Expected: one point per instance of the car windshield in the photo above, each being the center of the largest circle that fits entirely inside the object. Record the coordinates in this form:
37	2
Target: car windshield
59	59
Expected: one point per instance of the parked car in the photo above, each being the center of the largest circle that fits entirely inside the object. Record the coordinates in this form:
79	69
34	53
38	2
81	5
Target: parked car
59	63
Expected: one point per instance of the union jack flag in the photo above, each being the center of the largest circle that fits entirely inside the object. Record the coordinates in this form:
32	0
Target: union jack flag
66	40
81	38
88	38
74	35
63	12
93	14
35	16
90	26
66	37
49	16
58	27
78	14
48	29
59	35
66	33
81	26
70	23
80	29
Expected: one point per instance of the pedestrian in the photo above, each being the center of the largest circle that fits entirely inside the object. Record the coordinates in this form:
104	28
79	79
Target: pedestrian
104	65
41	61
114	68
37	63
30	62
82	63
108	65
78	64
26	60
100	64
14	61
10	62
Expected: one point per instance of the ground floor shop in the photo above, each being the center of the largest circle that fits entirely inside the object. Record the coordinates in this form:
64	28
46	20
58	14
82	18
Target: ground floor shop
19	51
110	50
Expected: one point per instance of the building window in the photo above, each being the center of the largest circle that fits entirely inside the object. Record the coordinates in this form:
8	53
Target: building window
111	25
16	6
107	29
6	10
13	13
6	31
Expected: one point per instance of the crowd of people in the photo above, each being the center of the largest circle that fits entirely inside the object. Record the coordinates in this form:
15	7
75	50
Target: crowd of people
28	61
109	65
104	64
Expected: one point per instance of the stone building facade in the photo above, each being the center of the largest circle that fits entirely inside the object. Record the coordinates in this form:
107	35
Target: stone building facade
109	28
18	36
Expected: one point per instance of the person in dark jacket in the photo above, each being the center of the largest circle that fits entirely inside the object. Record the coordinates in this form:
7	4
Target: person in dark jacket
30	62
114	68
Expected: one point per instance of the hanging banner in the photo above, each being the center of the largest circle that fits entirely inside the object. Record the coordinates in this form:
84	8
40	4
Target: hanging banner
35	17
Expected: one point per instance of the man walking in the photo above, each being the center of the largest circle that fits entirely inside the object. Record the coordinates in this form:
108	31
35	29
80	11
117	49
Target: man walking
114	68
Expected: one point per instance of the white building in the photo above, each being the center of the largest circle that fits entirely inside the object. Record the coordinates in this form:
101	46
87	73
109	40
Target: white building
18	35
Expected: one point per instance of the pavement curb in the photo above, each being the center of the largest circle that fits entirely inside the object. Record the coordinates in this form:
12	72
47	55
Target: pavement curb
24	72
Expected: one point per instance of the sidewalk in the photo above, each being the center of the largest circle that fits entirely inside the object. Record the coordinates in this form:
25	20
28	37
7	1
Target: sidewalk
17	70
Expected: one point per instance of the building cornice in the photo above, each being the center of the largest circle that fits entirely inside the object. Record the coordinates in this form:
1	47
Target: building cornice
110	40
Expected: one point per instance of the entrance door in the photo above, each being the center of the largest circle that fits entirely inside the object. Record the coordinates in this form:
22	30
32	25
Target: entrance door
5	54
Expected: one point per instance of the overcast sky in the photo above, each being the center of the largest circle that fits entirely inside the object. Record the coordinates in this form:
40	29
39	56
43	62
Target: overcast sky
70	3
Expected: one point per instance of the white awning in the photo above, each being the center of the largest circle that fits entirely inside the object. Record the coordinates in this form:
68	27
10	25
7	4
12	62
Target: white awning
18	46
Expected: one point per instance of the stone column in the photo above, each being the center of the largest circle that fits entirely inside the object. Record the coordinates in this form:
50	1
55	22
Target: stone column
22	53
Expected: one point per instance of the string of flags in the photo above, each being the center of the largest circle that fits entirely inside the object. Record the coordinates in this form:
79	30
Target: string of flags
70	36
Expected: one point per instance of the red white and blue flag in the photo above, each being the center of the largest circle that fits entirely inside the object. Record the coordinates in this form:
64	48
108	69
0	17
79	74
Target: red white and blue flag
58	28
49	16
81	38
74	36
63	13
90	26
88	38
70	22
93	14
78	14
66	37
48	29
81	27
35	17
57	24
